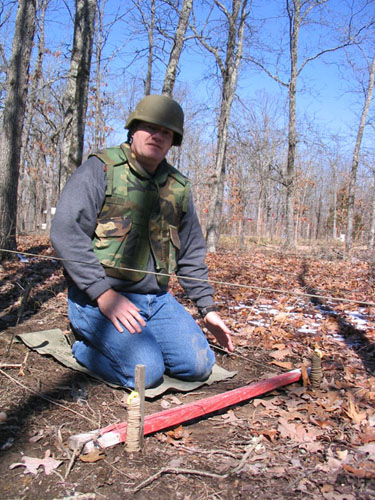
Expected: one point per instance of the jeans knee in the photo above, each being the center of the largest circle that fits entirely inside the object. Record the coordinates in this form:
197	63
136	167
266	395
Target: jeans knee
154	374
195	367
202	371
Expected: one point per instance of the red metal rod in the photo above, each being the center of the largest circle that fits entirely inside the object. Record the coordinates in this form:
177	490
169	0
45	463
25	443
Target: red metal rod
116	433
113	434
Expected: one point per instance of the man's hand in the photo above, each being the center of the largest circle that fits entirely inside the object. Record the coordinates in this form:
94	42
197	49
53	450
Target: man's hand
219	330
118	309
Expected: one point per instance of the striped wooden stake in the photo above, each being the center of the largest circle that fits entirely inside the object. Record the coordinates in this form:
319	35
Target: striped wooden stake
136	409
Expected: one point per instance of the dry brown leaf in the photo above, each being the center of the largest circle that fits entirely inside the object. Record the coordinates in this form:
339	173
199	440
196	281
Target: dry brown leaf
368	436
326	488
353	412
260	330
331	324
178	434
283	364
323	424
364	470
32	464
230	417
277	471
312	446
160	436
279	346
268	404
332	403
93	456
305	376
280	354
282	316
269	433
297	432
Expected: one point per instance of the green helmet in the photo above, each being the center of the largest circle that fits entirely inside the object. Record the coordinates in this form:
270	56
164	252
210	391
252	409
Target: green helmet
160	110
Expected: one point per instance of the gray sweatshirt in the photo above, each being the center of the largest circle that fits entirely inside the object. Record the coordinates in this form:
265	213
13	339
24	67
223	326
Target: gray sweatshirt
73	228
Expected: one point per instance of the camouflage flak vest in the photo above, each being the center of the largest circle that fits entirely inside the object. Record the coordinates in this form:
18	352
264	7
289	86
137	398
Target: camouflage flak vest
141	214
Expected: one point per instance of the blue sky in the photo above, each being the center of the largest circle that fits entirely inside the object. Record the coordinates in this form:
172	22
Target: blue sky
325	86
326	101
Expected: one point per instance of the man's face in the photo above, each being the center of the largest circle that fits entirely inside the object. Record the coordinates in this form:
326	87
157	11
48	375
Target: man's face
151	144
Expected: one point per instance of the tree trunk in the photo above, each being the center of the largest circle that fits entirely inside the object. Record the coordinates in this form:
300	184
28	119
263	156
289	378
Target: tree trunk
229	71
294	23
150	34
13	120
371	243
355	160
76	93
178	42
99	133
334	201
25	185
35	79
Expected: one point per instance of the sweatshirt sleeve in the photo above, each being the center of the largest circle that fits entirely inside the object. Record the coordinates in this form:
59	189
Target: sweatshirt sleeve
74	224
191	259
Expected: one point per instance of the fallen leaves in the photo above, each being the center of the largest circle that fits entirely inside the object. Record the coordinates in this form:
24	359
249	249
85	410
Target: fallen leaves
367	435
353	413
32	464
297	432
287	365
93	456
175	437
364	470
323	440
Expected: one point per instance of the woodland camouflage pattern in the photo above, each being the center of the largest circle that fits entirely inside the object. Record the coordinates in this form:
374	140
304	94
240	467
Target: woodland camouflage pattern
141	214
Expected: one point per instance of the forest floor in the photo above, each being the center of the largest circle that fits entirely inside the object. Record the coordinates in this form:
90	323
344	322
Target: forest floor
296	442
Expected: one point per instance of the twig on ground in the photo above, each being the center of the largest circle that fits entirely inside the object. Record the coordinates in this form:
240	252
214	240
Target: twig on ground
77	450
249	449
194	450
173	470
23	364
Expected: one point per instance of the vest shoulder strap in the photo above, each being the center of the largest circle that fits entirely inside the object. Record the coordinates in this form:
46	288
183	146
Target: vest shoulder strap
111	157
176	174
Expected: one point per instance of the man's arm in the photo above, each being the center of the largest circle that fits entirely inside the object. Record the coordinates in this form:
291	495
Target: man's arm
191	262
121	311
191	259
71	235
74	224
219	330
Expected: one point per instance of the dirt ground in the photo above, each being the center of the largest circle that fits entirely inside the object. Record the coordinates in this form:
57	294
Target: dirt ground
296	442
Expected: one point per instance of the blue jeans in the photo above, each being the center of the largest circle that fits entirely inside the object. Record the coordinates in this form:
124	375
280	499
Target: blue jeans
171	342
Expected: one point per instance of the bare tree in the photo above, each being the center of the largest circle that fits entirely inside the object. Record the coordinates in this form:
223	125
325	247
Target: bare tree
372	218
6	10
13	120
258	143
75	97
178	42
150	57
36	78
229	69
355	159
298	15
101	96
